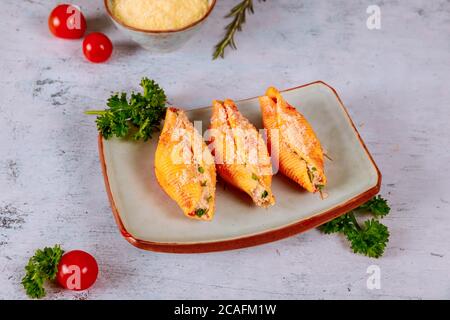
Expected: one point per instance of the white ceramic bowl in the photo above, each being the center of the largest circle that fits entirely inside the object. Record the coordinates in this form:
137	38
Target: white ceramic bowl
159	41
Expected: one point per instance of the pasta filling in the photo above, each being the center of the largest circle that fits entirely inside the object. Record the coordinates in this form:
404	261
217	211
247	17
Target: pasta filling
315	177
260	195
203	205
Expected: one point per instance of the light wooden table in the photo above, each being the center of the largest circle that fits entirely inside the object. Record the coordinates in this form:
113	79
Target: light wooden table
394	81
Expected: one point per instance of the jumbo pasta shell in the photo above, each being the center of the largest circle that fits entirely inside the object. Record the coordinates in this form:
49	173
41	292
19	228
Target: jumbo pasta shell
184	166
293	141
241	155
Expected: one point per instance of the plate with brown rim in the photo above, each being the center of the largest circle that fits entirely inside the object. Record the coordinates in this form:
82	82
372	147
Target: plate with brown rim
150	220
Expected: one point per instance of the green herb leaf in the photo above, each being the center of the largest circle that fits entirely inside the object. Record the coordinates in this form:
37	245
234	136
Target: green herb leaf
42	266
201	170
377	206
140	115
200	212
369	239
310	175
337	225
264	194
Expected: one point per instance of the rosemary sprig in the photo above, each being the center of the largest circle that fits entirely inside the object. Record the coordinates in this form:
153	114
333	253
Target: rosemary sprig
238	14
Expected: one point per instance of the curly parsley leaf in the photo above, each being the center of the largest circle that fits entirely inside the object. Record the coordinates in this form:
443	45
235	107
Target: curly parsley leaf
369	239
42	266
138	116
377	206
337	225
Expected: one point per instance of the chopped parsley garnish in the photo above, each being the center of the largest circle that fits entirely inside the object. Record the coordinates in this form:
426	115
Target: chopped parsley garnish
201	170
254	177
200	212
264	194
310	175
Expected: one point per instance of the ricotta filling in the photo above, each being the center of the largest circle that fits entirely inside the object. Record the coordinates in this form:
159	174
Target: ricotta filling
204	180
260	195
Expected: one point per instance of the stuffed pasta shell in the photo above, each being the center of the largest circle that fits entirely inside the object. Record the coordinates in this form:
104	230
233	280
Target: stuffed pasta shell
293	141
241	154
184	166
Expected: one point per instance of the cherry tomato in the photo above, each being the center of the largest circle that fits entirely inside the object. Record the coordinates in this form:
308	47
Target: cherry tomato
66	21
97	47
77	270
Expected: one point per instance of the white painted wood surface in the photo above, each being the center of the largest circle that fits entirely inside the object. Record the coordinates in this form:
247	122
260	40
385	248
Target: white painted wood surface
394	82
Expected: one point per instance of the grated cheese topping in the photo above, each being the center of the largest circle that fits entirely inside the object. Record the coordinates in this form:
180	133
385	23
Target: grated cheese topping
159	14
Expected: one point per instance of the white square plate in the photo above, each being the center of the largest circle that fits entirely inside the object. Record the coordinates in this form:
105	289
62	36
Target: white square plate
150	220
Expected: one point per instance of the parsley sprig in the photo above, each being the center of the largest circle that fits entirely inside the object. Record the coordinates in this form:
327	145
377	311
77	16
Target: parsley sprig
376	206
238	13
138	116
41	267
372	236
